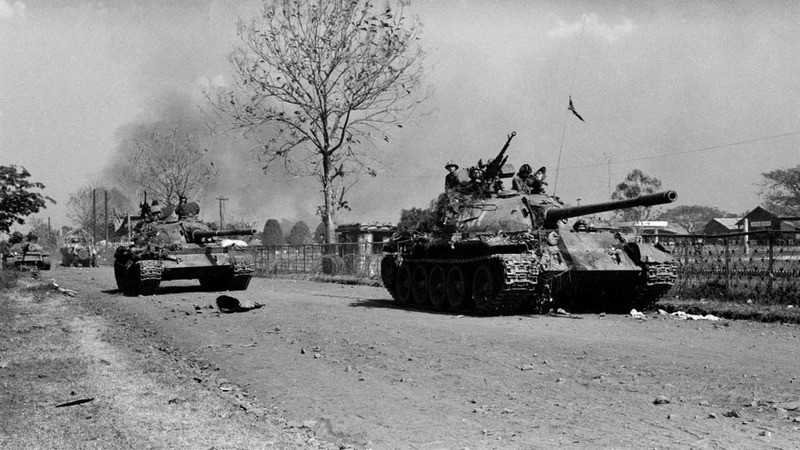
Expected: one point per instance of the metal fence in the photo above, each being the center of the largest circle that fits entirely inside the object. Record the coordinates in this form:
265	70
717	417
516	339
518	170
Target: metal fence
361	260
763	266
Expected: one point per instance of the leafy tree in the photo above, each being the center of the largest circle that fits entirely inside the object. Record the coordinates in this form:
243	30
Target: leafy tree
636	184
300	234
165	160
319	234
322	80
238	224
273	235
416	219
692	217
780	190
16	237
17	199
424	220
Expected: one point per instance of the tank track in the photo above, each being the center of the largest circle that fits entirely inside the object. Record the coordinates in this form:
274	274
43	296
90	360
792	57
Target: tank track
518	286
242	273
657	279
149	277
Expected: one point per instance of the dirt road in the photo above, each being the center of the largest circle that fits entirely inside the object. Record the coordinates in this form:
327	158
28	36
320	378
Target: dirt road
345	362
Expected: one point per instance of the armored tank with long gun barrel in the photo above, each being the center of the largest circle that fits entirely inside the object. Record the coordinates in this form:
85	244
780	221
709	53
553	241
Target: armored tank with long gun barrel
499	251
168	248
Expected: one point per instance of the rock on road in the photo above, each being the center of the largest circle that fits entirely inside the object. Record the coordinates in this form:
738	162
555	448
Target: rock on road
346	362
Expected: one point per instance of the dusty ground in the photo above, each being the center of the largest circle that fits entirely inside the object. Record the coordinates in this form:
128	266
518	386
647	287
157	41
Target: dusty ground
323	364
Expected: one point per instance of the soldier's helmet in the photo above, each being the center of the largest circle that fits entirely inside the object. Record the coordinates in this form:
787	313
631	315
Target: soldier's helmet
525	169
451	164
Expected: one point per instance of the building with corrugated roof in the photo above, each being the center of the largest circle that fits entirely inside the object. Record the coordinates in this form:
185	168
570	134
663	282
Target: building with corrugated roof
721	225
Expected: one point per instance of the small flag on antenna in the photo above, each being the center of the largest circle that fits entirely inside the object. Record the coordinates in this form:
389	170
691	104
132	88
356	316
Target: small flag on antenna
572	108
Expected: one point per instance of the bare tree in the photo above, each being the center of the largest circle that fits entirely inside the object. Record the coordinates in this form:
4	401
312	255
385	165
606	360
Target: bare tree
166	160
79	207
322	79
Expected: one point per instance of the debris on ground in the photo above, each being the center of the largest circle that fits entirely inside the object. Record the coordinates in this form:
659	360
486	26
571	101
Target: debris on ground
75	402
228	304
638	315
685	316
661	400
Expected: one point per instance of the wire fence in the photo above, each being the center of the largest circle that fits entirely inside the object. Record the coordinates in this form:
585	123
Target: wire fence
360	260
763	266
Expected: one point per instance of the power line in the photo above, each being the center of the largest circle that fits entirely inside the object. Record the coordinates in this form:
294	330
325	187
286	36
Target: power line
609	161
684	152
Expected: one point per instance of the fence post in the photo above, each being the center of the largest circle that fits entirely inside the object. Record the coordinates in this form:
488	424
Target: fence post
727	266
770	273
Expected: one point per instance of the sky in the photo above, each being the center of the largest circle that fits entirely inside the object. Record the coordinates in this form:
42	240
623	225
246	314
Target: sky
701	95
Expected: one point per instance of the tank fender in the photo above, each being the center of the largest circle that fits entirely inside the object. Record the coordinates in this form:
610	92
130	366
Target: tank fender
644	252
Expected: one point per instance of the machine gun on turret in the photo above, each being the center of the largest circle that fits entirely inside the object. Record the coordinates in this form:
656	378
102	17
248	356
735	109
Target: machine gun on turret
494	168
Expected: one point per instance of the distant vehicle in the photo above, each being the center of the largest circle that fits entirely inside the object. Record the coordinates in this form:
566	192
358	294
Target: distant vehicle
26	255
78	250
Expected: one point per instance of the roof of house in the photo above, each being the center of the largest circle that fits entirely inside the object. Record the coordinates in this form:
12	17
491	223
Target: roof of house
727	222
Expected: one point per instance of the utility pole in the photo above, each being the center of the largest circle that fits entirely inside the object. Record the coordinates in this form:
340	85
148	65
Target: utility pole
222	211
105	213
94	215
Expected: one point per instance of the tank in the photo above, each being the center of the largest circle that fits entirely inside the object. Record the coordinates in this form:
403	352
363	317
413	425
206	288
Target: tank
169	248
26	255
78	250
497	251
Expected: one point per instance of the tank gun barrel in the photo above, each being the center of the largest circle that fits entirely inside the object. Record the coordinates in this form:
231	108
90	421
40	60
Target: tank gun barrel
555	214
198	235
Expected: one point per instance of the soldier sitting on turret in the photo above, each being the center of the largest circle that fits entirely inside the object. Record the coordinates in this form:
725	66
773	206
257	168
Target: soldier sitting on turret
536	181
451	180
520	181
186	209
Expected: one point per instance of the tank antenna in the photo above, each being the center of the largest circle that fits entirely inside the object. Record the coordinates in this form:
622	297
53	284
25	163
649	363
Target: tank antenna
566	112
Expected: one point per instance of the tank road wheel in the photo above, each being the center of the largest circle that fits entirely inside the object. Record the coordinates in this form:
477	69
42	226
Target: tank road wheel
437	287
457	289
484	289
419	286
404	285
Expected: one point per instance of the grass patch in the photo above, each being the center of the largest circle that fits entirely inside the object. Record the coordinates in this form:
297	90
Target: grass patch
8	279
734	310
340	279
346	279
